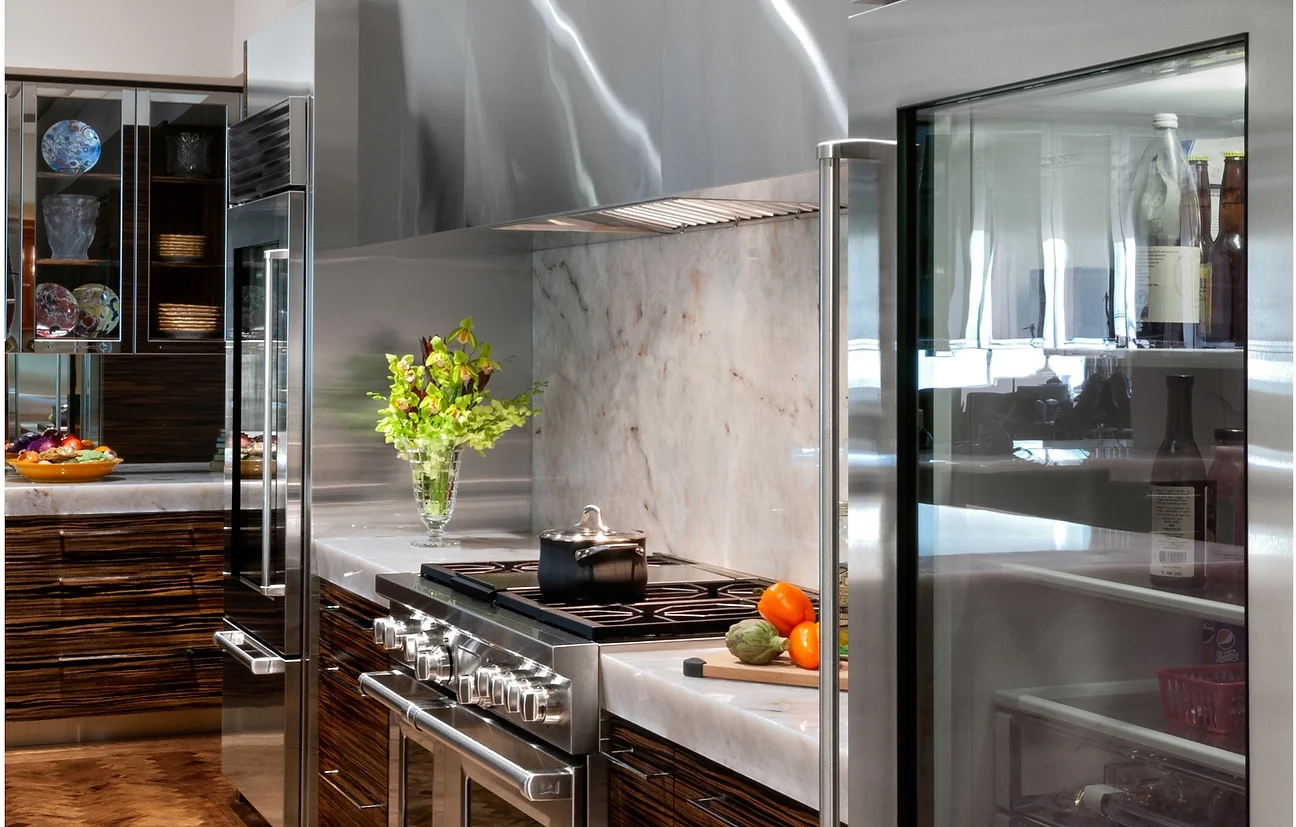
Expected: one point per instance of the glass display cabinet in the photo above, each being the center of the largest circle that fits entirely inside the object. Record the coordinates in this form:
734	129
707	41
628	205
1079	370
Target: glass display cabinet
116	202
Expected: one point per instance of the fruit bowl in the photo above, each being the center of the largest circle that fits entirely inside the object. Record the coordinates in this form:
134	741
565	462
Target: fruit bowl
65	471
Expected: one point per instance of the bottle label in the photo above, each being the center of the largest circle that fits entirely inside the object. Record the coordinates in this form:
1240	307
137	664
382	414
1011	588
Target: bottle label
1168	281
1204	302
1174	518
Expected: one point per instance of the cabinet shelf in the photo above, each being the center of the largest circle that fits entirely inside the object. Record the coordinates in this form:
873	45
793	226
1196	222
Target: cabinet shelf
1183	604
84	176
1129	711
1168	357
77	262
180	179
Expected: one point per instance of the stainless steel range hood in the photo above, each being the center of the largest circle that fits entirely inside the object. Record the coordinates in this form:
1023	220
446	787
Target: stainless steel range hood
475	114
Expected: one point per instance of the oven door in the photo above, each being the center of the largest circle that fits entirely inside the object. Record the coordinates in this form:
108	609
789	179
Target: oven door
461	768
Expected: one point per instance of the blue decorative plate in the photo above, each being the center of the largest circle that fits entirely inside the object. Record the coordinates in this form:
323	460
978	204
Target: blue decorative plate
71	146
57	312
100	304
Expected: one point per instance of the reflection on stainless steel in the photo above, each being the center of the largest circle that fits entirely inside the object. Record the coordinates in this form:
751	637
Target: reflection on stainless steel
668	215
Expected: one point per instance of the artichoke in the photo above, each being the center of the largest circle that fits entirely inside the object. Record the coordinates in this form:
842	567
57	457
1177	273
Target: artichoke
755	641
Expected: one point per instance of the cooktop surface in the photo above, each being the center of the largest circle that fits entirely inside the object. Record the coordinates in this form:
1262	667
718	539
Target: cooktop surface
682	599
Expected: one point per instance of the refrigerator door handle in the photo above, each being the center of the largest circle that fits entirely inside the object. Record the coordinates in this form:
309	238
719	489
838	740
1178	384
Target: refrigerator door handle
270	432
258	659
832	490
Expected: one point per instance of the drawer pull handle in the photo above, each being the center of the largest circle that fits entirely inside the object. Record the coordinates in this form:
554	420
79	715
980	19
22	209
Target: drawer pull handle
703	805
329	775
336	610
74	659
642	775
93	581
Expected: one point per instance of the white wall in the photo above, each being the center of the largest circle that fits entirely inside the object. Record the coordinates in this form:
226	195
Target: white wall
153	39
250	17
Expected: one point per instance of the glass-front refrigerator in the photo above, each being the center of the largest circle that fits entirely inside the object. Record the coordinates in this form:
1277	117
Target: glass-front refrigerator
1069	321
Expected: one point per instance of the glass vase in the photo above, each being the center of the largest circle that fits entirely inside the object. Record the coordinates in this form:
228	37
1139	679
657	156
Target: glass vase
435	470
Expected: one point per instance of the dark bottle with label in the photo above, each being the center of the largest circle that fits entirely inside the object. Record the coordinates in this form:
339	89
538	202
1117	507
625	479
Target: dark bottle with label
1226	521
1228	256
1178	497
1201	174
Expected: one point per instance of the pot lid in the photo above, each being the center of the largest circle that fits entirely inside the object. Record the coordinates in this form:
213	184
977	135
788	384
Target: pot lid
591	528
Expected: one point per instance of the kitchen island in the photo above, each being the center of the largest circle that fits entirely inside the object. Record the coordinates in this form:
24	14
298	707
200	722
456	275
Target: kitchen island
113	594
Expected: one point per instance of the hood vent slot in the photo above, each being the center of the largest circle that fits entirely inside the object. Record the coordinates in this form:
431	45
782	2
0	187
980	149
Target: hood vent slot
669	215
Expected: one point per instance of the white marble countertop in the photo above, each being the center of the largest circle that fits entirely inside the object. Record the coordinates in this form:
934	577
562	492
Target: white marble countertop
768	733
121	492
353	562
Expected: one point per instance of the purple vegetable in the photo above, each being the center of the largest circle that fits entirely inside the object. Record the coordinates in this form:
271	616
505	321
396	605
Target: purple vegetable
23	442
44	444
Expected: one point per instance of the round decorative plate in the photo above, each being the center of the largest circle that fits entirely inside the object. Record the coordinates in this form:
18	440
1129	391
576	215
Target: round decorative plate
71	146
57	311
101	304
65	471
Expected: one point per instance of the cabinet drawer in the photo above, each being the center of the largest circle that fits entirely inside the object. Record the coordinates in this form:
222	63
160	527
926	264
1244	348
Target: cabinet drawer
641	777
708	795
45	642
353	739
346	632
113	684
103	592
337	809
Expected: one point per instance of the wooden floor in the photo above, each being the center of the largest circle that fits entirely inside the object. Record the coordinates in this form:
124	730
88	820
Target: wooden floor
174	782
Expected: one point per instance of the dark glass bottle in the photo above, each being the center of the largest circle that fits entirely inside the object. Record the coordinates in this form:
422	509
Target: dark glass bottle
1228	255
1226	520
1178	496
1201	174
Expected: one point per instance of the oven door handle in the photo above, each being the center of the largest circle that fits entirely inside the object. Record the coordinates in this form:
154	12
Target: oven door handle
540	776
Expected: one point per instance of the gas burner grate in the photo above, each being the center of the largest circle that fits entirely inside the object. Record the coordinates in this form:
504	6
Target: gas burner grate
472	569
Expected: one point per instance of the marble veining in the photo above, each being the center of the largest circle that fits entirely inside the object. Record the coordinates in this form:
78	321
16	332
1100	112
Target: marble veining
118	493
354	562
682	376
768	733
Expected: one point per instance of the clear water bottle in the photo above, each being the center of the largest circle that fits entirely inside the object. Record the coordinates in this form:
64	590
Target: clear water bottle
1167	237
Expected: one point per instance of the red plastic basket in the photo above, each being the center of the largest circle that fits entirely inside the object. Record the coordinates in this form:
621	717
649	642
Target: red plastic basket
1212	698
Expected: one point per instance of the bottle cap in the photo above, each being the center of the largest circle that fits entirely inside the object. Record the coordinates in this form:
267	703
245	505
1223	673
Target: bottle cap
1235	153
1180	380
1199	159
1165	120
1230	436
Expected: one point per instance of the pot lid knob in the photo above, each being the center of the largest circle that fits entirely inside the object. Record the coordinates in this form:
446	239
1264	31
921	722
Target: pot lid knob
591	521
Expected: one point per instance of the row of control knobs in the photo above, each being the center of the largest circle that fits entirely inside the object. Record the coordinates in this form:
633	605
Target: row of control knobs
527	692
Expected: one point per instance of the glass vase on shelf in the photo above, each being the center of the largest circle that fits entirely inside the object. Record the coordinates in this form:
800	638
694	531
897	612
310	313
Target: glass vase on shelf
435	471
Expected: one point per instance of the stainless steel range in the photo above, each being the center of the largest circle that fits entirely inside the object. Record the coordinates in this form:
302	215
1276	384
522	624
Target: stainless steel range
497	699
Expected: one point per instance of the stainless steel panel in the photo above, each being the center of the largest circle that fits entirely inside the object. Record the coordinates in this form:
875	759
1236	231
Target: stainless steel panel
281	59
261	736
563	106
911	53
747	86
374	300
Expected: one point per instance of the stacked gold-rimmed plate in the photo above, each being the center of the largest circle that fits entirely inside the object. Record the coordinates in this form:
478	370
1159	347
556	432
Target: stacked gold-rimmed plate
189	321
179	247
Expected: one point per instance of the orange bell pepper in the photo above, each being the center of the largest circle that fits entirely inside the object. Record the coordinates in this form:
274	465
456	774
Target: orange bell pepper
803	645
785	606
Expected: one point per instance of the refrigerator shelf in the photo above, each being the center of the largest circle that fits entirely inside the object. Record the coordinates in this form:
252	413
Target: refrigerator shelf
1183	604
1111	709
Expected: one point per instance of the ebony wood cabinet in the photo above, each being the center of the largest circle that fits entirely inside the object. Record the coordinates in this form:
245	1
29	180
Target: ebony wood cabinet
653	782
110	614
353	732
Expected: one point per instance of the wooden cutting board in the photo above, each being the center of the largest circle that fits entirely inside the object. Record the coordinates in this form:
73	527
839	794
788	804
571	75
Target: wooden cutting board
780	671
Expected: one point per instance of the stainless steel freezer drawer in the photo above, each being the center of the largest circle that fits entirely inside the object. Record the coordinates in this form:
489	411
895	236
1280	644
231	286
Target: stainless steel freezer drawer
261	725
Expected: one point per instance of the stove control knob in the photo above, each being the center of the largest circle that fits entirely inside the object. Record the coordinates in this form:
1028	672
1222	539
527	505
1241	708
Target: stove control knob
380	627
433	664
484	677
412	644
535	704
499	682
466	689
514	689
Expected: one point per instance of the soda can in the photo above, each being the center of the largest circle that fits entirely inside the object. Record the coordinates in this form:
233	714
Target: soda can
1222	642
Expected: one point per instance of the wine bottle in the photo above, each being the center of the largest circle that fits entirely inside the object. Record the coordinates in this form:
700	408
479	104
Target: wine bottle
1167	252
1178	496
1201	174
1228	256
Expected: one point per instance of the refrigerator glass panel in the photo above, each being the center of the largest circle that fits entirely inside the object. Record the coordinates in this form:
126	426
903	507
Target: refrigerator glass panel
1077	250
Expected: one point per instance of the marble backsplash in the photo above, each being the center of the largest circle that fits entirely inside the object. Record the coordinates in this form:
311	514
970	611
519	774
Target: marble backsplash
682	376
